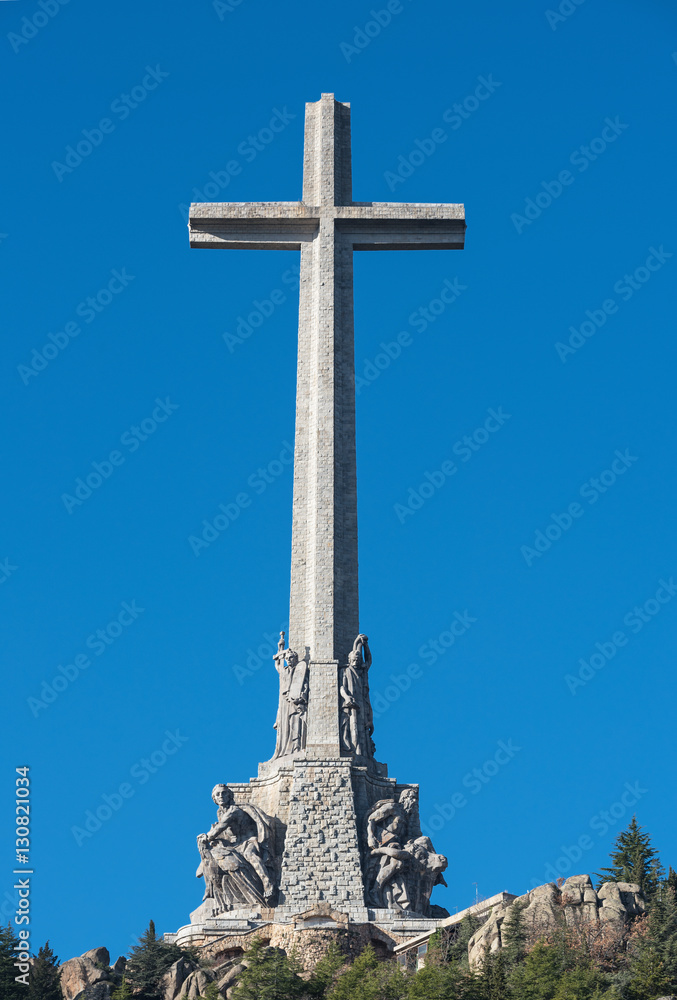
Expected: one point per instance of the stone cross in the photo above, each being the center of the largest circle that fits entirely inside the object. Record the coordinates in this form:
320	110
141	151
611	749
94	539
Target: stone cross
326	226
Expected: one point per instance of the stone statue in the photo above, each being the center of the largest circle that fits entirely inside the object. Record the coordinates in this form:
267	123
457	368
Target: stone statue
235	854
291	721
402	867
426	868
357	718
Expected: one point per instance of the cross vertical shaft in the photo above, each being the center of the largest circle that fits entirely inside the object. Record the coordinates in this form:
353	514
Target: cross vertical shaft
324	578
327	226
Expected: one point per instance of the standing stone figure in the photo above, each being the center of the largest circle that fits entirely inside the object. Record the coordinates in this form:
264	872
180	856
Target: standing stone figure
235	854
402	867
357	718
291	721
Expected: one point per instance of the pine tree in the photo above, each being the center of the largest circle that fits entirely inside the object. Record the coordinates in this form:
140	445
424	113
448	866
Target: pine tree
212	993
9	988
514	934
634	860
369	979
148	962
672	880
452	946
653	953
45	979
325	972
445	982
123	992
582	983
495	983
537	978
270	975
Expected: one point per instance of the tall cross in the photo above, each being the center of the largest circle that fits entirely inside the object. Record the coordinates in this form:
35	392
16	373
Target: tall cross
326	226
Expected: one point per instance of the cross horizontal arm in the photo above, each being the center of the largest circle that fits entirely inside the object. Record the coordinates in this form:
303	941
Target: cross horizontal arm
394	226
267	225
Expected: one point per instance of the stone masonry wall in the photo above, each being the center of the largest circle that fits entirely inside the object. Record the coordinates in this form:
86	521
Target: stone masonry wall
322	843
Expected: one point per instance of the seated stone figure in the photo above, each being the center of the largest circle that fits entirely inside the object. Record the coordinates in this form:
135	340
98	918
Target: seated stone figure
234	855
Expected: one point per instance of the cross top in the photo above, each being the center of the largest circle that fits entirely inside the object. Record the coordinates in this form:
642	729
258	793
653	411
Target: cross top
327	226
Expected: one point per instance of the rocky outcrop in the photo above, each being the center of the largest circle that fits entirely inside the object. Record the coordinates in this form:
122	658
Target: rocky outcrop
84	978
99	991
173	981
230	978
602	917
120	966
196	984
99	956
79	973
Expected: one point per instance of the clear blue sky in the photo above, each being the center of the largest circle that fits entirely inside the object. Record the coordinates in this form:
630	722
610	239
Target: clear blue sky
563	152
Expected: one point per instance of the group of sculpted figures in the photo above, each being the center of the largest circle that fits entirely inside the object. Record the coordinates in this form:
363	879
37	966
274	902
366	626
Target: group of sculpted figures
401	867
357	719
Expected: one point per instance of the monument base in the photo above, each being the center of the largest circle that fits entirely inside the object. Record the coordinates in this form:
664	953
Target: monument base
309	934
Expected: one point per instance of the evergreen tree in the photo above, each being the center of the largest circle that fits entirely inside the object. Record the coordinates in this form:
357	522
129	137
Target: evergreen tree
325	972
582	983
148	962
538	977
9	988
369	979
633	859
672	880
270	975
653	953
123	992
45	979
558	972
445	982
212	993
448	947
514	934
495	984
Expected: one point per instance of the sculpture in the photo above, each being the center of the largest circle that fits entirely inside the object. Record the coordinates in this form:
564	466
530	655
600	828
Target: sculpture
357	718
291	724
235	854
402	867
